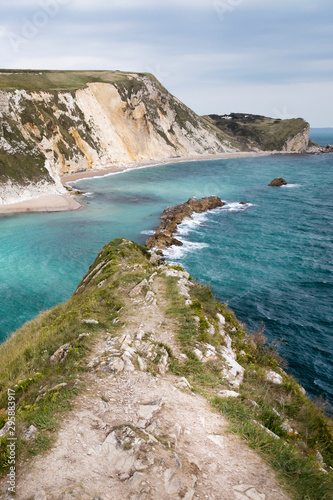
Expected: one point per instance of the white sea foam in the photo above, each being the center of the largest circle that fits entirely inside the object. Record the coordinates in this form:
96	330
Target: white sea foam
148	232
176	252
292	186
235	207
88	195
189	224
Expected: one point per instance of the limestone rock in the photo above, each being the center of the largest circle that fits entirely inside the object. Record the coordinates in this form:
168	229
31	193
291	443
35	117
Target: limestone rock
6	428
60	355
30	433
90	321
233	371
275	378
228	394
138	288
183	383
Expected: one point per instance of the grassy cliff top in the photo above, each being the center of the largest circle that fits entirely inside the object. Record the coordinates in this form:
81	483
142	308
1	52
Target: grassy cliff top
38	80
258	131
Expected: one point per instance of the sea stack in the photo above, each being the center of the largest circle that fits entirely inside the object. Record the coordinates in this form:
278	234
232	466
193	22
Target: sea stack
278	182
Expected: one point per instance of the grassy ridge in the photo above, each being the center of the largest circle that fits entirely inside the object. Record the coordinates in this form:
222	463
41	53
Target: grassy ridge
25	366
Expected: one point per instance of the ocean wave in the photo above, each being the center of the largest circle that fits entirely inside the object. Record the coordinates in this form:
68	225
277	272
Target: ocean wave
88	195
148	232
235	207
189	224
292	186
176	252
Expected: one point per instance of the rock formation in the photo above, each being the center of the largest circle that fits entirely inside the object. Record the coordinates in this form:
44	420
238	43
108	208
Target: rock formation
279	181
172	216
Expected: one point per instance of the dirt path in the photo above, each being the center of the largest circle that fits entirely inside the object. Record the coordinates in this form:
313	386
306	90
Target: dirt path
137	436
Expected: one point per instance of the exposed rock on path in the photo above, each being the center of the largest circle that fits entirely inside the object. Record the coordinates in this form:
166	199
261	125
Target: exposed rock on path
142	436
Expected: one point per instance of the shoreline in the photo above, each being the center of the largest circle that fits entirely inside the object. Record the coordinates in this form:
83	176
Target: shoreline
67	202
136	165
46	203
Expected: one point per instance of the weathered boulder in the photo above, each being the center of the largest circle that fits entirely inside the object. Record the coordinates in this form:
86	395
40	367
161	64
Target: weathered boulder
279	181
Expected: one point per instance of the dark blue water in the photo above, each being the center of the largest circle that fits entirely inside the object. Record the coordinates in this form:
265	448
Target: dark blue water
270	260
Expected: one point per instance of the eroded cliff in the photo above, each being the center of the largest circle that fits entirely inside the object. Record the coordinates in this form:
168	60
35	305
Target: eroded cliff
56	123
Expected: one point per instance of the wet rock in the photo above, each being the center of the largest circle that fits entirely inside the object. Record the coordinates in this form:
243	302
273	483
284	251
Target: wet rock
172	216
60	355
279	181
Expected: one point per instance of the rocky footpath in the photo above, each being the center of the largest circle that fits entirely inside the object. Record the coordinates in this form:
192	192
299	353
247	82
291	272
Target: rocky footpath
173	216
139	431
153	370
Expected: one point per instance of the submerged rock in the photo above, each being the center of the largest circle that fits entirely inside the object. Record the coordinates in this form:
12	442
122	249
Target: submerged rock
279	181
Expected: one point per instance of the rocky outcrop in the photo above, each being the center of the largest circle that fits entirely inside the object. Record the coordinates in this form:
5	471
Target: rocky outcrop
279	181
172	216
315	149
114	118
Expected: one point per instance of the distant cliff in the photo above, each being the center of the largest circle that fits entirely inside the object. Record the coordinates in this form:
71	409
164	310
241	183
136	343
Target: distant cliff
55	123
259	133
60	122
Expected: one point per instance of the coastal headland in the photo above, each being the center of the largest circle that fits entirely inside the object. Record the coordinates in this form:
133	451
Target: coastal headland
145	385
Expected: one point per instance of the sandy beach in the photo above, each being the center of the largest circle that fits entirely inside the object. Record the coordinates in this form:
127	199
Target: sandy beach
67	202
51	203
135	165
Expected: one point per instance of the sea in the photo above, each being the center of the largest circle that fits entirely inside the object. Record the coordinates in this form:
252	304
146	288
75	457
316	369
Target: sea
270	260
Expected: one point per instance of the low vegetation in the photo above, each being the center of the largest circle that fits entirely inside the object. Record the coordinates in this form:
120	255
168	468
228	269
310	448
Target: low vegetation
256	131
45	391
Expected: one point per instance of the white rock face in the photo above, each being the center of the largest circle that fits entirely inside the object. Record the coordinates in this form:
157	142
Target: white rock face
96	127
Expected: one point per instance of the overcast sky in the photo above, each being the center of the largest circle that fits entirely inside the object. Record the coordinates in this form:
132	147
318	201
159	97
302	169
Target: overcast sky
270	57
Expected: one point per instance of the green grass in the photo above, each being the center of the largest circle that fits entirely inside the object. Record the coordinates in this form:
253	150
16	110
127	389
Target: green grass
267	134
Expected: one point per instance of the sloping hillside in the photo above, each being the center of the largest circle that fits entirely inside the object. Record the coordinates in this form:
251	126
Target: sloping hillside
259	133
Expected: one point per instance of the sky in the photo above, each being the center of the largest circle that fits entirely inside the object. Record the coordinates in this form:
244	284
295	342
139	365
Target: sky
268	57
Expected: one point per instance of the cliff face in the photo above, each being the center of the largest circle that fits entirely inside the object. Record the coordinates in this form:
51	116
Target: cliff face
106	118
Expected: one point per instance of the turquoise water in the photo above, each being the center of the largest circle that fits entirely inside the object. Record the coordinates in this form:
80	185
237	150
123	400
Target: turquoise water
271	261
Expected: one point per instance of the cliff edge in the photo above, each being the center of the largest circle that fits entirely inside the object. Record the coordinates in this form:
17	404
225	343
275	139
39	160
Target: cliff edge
143	386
